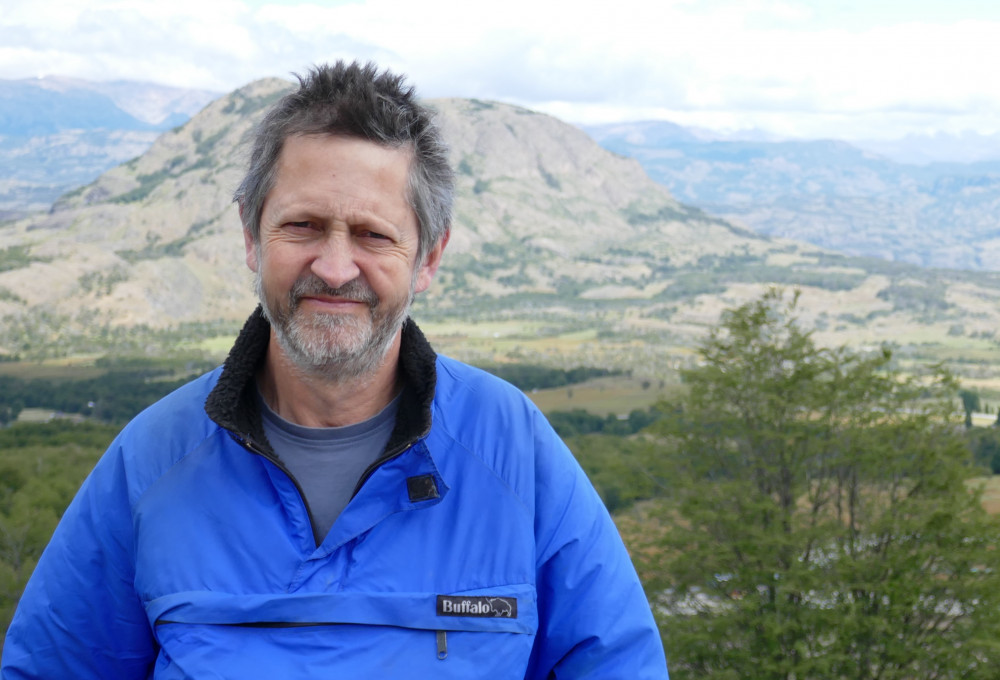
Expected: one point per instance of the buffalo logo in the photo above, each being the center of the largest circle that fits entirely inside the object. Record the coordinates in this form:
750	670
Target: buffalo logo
474	605
502	606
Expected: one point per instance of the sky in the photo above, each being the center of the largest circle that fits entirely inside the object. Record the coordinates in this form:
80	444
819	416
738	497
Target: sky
844	69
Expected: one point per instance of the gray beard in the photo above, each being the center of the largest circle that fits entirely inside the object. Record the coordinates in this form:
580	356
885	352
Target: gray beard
334	347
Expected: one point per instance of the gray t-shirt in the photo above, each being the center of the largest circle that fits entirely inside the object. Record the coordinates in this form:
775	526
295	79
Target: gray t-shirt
327	462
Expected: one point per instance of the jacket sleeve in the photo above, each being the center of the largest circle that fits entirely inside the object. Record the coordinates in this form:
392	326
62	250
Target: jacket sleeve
79	616
594	619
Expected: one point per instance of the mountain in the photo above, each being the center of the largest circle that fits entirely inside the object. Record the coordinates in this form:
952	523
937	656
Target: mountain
828	193
569	251
146	242
59	133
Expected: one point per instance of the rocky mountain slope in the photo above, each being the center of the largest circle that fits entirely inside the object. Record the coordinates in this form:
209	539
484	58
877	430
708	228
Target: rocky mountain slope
552	234
828	193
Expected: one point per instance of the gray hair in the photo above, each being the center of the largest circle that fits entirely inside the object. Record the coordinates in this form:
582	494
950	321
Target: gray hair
356	100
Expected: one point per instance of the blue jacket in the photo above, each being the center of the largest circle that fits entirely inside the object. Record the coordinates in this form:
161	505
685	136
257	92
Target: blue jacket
474	548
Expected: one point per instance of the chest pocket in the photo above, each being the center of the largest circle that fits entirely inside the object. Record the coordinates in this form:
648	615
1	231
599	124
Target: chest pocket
487	633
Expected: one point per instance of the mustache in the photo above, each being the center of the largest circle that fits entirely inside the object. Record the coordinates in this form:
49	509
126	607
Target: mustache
355	290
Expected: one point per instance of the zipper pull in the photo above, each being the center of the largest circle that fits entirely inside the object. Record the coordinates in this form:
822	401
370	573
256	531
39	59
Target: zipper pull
442	641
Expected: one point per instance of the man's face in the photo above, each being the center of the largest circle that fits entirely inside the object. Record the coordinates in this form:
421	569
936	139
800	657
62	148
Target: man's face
336	263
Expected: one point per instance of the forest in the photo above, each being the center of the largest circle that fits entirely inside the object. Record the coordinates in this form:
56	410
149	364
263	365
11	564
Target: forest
797	512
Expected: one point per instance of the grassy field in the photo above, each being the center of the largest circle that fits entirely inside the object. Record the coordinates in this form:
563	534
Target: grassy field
501	340
218	346
617	395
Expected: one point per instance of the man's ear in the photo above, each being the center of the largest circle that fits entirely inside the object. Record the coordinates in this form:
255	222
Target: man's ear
248	242
430	264
251	250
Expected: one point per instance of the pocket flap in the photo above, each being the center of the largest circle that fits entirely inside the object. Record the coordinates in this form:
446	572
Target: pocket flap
510	609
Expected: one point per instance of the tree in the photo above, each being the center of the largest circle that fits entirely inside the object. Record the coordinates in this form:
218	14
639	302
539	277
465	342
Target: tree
984	445
970	404
819	523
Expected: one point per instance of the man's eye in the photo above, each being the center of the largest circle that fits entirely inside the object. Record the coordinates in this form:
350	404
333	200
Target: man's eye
299	225
373	234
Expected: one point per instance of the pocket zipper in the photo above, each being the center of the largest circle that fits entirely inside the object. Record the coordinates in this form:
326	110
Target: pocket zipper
442	636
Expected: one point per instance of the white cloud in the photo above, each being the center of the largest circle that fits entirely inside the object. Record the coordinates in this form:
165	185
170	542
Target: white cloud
788	65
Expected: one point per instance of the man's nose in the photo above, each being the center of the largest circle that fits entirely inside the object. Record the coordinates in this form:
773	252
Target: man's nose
335	262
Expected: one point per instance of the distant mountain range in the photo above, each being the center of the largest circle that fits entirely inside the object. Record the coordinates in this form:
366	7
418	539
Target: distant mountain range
830	193
59	133
557	242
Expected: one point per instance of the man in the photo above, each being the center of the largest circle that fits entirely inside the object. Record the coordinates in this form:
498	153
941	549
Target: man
336	500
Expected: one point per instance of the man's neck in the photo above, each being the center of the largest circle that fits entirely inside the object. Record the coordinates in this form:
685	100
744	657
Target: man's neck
317	401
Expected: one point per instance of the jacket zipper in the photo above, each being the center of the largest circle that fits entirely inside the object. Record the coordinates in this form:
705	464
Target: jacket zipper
442	644
250	446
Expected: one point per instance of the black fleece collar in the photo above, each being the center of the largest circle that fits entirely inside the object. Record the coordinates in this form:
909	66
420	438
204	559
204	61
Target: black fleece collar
233	401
